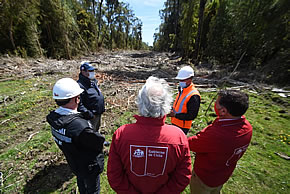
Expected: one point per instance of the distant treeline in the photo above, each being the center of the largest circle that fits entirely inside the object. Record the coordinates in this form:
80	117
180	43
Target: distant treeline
220	31
65	28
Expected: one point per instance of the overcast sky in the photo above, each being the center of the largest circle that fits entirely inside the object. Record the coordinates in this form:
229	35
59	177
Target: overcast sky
148	12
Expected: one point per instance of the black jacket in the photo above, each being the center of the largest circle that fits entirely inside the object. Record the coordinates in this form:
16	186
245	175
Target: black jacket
81	146
92	100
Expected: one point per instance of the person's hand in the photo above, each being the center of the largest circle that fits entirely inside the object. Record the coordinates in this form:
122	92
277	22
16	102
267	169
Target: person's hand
171	114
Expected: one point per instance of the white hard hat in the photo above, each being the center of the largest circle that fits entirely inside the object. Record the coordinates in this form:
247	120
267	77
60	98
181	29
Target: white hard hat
66	88
185	73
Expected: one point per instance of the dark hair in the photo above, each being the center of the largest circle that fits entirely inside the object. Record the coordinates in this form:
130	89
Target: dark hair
61	102
236	102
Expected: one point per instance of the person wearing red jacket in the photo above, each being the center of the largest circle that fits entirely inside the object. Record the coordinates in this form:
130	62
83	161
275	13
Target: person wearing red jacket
150	156
219	146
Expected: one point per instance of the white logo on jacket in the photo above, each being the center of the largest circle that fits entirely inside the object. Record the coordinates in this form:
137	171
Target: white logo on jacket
238	152
148	160
138	153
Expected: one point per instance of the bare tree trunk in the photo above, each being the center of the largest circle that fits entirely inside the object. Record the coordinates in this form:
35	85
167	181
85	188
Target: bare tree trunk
199	30
94	11
99	23
176	29
65	35
11	34
34	28
67	46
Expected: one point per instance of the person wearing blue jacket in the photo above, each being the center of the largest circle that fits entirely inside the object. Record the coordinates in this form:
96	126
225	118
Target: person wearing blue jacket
92	99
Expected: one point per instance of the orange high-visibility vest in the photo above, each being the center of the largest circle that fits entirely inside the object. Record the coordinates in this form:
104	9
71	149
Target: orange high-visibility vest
180	105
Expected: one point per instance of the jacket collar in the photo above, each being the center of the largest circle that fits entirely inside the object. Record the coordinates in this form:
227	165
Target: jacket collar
227	122
150	121
189	87
86	80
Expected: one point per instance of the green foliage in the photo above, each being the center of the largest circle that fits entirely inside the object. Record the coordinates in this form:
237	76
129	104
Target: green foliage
168	37
231	27
256	27
189	27
27	149
66	28
19	32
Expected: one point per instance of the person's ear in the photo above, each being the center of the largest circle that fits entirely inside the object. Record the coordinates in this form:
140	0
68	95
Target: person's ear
223	111
77	99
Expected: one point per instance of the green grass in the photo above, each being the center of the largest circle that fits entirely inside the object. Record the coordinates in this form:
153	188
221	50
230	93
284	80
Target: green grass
27	149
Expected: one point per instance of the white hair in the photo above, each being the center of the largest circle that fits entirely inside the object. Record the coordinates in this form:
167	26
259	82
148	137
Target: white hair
154	98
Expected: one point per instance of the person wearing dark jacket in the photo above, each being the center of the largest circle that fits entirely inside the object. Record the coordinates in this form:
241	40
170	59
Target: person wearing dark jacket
92	99
81	145
186	105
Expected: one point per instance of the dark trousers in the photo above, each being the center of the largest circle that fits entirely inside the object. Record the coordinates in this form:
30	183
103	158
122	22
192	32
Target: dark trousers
89	184
96	122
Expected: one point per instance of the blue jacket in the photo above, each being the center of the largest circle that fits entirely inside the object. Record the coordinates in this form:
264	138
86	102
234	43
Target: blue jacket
92	100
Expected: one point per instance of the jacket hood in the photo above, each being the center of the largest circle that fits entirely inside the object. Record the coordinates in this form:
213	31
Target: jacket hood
58	121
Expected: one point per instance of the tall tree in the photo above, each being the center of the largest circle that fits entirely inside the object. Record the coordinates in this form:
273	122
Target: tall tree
100	15
199	30
111	6
188	28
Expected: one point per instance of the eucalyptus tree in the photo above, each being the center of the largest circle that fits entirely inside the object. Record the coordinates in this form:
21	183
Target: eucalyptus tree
170	28
128	24
199	29
188	27
59	29
137	34
100	21
120	23
18	27
110	15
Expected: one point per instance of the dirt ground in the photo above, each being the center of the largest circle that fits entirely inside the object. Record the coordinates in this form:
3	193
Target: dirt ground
120	74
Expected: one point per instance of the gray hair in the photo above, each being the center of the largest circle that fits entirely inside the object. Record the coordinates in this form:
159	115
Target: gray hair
154	98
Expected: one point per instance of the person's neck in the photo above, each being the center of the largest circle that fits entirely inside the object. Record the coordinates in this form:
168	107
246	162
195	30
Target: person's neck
71	106
228	116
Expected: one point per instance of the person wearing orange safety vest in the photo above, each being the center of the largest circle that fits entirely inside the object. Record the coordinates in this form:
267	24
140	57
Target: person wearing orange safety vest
186	105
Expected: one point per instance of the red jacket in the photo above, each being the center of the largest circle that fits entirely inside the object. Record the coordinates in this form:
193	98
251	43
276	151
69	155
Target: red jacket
149	157
218	147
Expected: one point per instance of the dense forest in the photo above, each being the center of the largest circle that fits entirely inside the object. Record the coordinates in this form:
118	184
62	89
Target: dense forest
65	28
220	32
215	32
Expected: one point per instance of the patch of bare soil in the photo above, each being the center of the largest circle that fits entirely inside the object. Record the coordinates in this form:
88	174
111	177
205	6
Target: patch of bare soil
120	74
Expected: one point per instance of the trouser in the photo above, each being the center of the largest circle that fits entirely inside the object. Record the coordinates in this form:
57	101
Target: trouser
198	187
89	184
96	122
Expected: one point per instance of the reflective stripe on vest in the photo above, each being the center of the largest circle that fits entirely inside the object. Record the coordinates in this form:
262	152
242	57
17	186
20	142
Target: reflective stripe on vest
183	100
180	106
